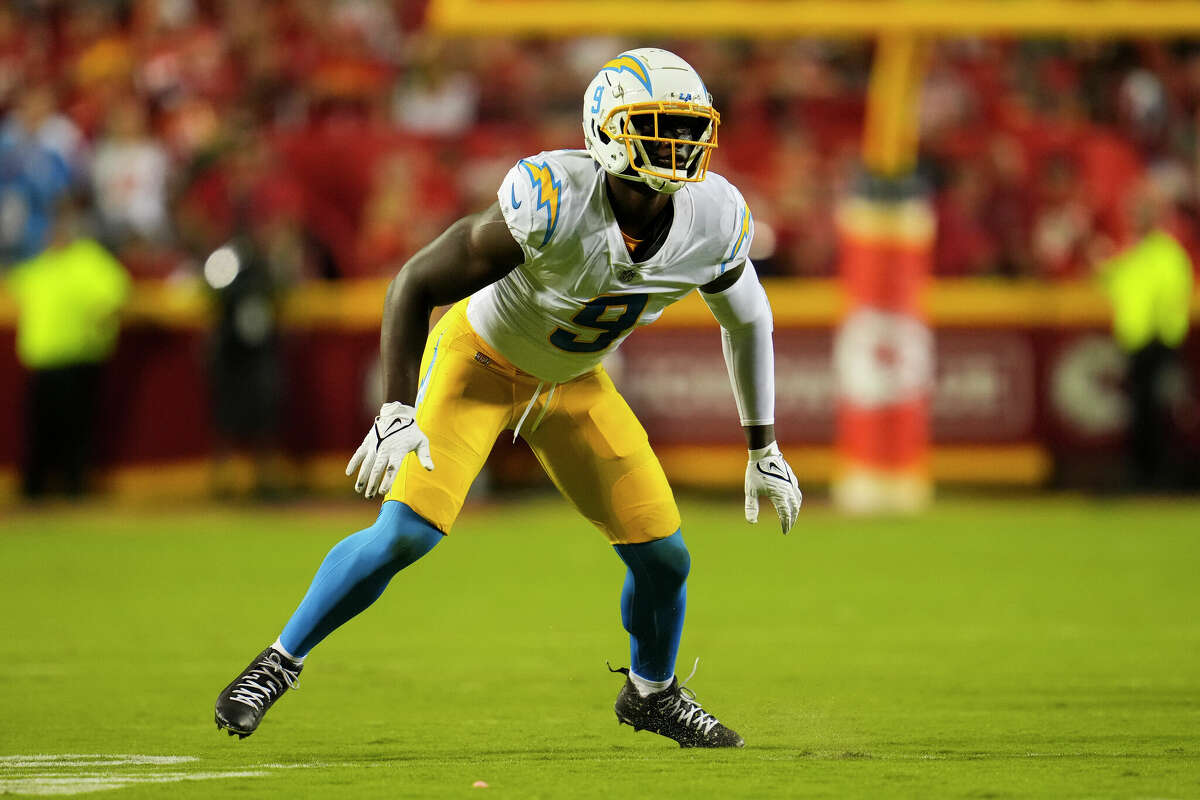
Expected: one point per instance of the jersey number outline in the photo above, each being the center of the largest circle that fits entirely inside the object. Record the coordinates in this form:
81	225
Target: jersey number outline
592	315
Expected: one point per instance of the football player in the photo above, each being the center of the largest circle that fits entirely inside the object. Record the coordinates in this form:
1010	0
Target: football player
582	247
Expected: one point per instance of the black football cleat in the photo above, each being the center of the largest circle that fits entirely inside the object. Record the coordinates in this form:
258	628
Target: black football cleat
674	713
243	703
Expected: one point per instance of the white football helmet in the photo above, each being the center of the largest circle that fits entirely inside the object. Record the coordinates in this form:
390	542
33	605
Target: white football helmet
648	117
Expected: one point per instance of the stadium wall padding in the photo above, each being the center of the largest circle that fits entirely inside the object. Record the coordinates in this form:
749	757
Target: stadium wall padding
1027	381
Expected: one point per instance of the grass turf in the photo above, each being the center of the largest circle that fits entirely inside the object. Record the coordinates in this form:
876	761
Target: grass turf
988	648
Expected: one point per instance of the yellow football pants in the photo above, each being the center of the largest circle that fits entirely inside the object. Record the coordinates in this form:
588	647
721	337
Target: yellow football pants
584	434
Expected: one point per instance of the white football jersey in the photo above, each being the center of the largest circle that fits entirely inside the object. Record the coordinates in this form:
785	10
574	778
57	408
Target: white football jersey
579	293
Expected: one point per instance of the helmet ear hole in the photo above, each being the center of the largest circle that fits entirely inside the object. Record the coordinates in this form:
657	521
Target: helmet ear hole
602	135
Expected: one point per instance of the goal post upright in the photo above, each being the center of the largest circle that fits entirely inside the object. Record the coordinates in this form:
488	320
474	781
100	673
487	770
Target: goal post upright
883	354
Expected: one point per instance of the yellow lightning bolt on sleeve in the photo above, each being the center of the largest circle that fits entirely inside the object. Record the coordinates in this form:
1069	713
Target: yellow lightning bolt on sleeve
548	193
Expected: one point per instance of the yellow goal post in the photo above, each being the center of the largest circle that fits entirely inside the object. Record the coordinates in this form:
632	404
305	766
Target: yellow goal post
790	18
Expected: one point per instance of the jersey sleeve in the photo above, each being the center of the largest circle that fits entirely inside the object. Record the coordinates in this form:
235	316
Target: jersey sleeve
531	200
738	229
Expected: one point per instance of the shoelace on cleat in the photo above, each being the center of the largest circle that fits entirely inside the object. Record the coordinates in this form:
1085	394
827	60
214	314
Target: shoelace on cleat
688	711
686	708
249	691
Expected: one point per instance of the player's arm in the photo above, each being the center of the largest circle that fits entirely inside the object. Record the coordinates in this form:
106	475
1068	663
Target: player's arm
740	305
475	251
758	433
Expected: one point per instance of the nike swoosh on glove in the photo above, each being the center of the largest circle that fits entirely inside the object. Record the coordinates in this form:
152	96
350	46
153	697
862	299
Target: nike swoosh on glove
768	473
394	435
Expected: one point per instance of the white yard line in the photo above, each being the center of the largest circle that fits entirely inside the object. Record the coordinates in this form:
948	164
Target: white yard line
88	760
45	785
82	773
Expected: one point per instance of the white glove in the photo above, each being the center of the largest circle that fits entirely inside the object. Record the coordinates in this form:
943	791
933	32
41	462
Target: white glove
767	473
393	436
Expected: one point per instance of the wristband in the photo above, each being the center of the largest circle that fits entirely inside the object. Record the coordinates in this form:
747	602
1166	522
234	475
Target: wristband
762	452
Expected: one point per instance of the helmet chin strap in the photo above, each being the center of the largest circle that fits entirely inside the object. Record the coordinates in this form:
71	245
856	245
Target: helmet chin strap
660	185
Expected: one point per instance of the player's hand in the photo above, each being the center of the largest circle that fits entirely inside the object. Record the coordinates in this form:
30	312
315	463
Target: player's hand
767	473
393	436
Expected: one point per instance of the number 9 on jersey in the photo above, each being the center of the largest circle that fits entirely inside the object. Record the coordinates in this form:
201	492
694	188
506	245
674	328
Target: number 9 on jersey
611	315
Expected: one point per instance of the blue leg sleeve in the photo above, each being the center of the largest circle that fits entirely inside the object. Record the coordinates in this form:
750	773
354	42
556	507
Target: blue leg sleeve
653	601
355	573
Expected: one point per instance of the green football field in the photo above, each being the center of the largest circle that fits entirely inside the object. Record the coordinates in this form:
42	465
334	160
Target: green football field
992	647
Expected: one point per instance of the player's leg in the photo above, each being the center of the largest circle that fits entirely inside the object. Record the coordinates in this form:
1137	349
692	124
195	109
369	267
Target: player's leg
462	407
598	454
653	603
599	457
355	573
351	578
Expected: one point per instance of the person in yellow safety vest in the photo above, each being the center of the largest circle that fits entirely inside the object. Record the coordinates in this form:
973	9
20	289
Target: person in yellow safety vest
68	299
1150	286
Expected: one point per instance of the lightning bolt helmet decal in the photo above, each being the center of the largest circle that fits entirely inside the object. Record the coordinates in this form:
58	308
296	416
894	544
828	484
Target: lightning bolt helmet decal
631	64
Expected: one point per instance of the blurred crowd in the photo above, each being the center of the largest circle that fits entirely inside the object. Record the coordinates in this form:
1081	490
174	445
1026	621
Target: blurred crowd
337	136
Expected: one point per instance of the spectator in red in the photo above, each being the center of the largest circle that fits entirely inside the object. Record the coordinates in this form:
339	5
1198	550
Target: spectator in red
239	184
1008	213
800	206
965	245
97	59
24	52
1063	224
